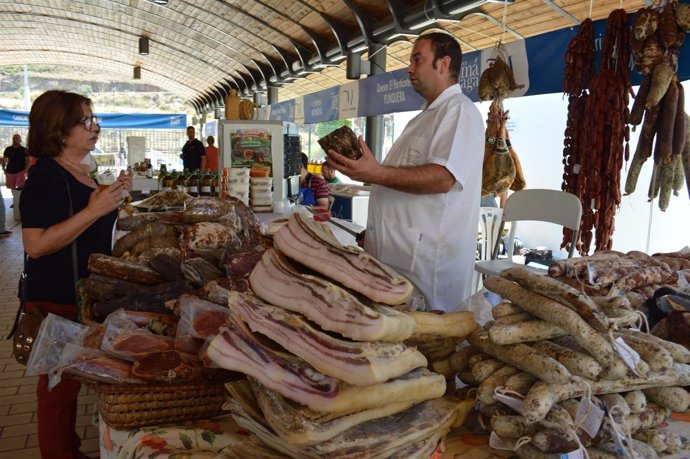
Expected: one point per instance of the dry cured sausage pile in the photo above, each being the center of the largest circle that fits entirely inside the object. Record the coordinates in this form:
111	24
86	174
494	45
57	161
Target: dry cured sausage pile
549	345
657	36
634	275
597	131
501	167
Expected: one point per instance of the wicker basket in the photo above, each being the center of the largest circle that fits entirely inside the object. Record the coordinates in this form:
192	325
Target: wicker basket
130	406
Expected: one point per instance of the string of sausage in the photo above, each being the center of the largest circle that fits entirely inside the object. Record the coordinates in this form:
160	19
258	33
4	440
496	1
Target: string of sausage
598	131
578	71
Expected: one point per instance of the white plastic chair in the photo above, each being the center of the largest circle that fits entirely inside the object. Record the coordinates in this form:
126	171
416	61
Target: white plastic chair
489	224
553	206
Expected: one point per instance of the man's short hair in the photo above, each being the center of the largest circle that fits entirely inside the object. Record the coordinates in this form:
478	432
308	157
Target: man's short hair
304	159
444	44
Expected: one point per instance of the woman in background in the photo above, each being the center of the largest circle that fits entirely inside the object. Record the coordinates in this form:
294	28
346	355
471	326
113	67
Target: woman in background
210	161
62	132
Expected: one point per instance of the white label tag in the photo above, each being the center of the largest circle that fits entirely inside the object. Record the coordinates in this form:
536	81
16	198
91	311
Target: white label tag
590	274
621	450
514	403
614	292
576	168
497	442
577	454
492	298
628	354
589	417
682	281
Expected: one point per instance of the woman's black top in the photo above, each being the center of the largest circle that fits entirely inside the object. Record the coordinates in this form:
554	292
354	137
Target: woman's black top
44	202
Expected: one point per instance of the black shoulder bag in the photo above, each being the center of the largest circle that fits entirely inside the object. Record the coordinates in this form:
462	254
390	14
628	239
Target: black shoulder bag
27	324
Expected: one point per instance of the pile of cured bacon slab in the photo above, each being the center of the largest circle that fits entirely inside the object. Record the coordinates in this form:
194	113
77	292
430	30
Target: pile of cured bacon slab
323	348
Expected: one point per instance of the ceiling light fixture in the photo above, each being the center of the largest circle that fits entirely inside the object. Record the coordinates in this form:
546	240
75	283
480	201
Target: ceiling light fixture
137	72
159	2
144	46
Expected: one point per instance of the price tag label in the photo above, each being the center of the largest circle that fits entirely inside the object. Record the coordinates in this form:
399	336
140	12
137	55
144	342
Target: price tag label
577	454
589	417
492	298
628	354
497	442
514	403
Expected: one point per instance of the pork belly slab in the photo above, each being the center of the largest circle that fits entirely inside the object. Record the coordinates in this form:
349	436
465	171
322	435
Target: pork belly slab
236	348
355	362
377	439
313	244
278	282
298	425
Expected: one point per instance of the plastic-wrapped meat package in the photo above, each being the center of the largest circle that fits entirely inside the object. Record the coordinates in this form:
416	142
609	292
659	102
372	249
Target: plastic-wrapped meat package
125	340
92	365
55	333
199	319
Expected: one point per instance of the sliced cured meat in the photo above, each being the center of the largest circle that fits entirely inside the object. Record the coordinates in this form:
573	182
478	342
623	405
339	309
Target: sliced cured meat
140	342
357	363
277	281
236	348
123	269
169	367
104	369
209	322
313	244
204	317
297	425
241	264
94	336
377	439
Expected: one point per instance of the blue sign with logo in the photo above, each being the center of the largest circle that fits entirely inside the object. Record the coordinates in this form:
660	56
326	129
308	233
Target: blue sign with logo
283	111
387	93
322	106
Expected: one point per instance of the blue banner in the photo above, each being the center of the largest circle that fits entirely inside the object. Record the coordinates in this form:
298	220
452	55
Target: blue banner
387	93
283	111
14	118
322	106
109	120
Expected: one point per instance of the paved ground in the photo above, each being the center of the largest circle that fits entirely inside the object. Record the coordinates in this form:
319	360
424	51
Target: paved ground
18	437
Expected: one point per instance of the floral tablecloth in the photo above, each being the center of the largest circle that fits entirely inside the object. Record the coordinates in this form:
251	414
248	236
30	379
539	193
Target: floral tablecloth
194	439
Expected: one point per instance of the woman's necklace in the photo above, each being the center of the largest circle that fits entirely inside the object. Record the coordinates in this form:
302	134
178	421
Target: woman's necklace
79	167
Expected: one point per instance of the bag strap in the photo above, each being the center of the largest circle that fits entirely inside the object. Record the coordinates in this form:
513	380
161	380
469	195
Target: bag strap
75	271
22	300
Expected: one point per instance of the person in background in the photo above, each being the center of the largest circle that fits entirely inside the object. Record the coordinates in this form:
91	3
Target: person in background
313	190
329	174
490	200
15	163
62	132
210	160
424	202
193	151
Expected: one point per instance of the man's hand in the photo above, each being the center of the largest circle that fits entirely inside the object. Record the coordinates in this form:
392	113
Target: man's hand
364	169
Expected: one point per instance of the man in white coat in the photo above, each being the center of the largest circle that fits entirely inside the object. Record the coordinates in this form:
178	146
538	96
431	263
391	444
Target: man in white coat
424	202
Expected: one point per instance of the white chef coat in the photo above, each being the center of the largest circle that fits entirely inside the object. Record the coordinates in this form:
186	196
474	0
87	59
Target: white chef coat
432	238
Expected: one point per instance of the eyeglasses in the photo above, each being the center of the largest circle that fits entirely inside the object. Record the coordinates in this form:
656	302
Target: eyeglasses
88	122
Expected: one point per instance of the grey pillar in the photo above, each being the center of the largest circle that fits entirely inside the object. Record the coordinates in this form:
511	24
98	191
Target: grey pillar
374	133
272	95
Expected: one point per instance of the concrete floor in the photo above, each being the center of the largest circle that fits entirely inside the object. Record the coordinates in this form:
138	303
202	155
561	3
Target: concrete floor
18	438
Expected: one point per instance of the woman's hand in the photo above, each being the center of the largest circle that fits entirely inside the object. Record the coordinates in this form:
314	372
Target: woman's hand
104	201
125	179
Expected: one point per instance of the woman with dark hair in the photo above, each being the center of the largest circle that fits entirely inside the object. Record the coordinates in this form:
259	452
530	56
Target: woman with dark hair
62	205
313	190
